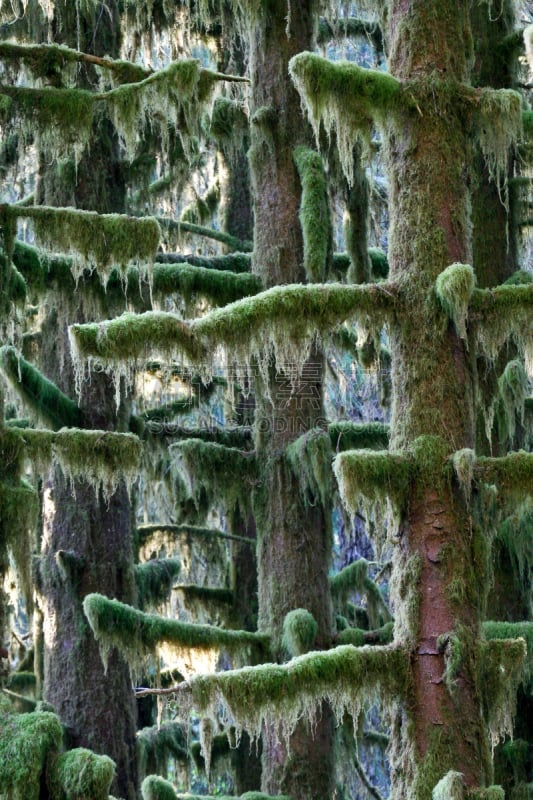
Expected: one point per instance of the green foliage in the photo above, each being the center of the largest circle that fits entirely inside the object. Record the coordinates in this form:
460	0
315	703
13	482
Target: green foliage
156	745
299	632
155	788
81	775
314	212
27	742
154	580
454	287
43	396
138	635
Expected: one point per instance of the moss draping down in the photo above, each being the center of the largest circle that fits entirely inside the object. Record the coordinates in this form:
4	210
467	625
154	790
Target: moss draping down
299	632
154	580
232	262
314	212
43	396
138	635
218	286
502	314
512	474
157	744
374	475
454	287
309	458
80	774
514	630
501	667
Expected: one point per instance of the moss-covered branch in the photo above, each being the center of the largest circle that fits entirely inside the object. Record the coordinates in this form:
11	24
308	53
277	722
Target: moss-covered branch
513	473
157	744
239	437
283	694
138	635
501	669
350	28
514	630
358	436
232	262
96	241
502	313
145	531
154	580
309	458
209	233
100	457
43	396
218	286
373	475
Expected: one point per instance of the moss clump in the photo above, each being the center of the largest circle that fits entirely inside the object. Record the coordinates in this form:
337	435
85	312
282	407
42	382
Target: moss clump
218	286
463	462
309	458
373	475
499	127
43	396
154	580
155	788
354	579
512	631
454	287
344	98
358	436
215	471
451	787
501	669
156	745
81	775
512	474
95	241
519	278
138	635
299	632
314	212
27	742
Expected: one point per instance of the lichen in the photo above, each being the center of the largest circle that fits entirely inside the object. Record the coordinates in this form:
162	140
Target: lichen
454	287
299	632
81	775
314	213
138	635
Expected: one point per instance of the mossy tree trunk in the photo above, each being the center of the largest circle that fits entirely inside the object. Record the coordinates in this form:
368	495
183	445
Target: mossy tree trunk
293	537
440	571
97	708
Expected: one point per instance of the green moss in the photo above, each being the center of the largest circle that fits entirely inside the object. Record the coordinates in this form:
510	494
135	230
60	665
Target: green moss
515	532
209	233
145	531
501	669
27	742
299	632
512	474
463	462
218	286
519	278
379	263
513	385
454	287
95	241
345	98
245	796
490	793
232	262
512	631
373	475
354	579
158	744
156	788
284	694
309	458
499	127
138	635
154	580
81	775
43	396
215	471
22	682
314	213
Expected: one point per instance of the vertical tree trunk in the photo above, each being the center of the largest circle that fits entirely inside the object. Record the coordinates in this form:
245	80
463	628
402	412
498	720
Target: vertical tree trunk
293	538
437	558
87	540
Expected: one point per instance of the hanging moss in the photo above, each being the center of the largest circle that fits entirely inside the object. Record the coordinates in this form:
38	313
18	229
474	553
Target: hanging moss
203	208
218	286
350	27
43	396
358	436
454	287
214	470
17	286
232	262
27	742
155	788
100	457
354	578
499	127
502	314
501	665
513	631
239	437
156	745
379	263
198	598
145	531
309	458
299	632
344	98
96	241
209	233
513	387
314	213
451	787
515	532
372	475
154	580
283	694
81	775
138	635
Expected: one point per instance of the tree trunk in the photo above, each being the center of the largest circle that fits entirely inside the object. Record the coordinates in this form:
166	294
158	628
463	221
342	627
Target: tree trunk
294	546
